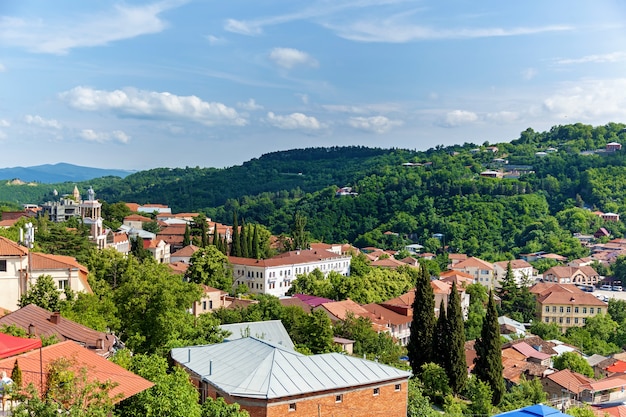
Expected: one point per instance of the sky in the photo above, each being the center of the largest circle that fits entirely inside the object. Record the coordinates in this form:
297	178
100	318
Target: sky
176	83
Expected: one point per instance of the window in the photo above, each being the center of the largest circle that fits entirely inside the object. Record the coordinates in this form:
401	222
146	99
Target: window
567	320
575	309
576	320
292	406
210	304
569	309
591	310
397	387
560	319
554	309
63	284
584	310
547	309
376	391
204	305
3	265
561	309
547	320
339	398
599	310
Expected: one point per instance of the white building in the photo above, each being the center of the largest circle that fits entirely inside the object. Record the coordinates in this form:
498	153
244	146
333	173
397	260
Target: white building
275	275
523	272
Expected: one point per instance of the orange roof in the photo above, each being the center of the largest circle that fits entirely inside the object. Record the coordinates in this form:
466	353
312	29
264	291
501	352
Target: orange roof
133	206
387	263
10	248
137	218
515	264
564	294
573	381
615	411
186	252
440	287
457	256
178	267
617	367
385	315
98	368
612	382
511	353
473	263
340	309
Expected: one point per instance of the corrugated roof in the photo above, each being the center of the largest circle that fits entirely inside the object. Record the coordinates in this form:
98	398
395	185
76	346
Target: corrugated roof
98	368
272	330
254	368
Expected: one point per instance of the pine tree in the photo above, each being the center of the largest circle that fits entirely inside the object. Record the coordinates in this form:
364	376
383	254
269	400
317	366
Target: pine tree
457	367
16	375
243	240
187	236
441	338
508	291
235	249
216	236
205	232
420	347
255	242
488	362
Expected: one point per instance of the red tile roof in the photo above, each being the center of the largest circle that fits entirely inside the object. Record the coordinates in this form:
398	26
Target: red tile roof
530	352
186	252
572	381
473	262
98	368
617	367
137	218
10	248
386	315
564	294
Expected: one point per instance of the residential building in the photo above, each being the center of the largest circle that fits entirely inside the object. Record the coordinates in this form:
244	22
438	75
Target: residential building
523	272
613	146
37	321
211	299
61	210
564	383
19	270
340	310
159	249
482	271
136	221
399	325
583	275
269	380
184	255
565	304
275	275
607	390
34	366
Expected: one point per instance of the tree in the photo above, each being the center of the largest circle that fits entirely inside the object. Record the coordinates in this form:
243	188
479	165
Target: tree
574	362
210	267
137	249
235	249
508	290
435	380
418	404
488	347
546	331
255	242
43	294
16	375
243	240
480	395
319	329
527	392
441	340
457	367
300	237
420	346
219	408
187	236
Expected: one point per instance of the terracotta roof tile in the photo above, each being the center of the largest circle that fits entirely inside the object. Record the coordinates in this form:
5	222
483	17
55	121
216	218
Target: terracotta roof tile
10	248
473	262
572	381
186	252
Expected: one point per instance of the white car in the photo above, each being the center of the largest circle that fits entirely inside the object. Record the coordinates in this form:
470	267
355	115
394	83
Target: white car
606	287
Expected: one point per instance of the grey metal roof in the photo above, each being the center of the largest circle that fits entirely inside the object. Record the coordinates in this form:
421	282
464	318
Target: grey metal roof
255	368
272	331
595	359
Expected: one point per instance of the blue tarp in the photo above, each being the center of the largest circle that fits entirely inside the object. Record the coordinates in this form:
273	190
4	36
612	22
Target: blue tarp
537	410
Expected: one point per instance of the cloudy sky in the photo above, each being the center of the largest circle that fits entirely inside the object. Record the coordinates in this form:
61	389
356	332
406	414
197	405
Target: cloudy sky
175	83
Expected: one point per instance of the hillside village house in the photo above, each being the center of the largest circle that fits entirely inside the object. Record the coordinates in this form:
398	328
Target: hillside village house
269	380
523	272
482	271
20	269
565	304
583	275
274	275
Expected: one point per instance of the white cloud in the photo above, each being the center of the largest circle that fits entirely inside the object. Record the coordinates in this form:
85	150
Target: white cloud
102	137
4	123
242	28
289	58
59	37
294	121
215	40
41	122
589	100
457	118
303	97
250	105
364	108
529	73
612	57
140	103
376	124
393	30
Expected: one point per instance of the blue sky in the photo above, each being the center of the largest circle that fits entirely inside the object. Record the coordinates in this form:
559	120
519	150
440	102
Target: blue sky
143	84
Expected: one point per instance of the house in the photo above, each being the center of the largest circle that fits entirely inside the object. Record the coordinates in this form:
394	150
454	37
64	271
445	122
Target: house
609	217
461	279
118	241
523	272
509	326
564	383
271	331
389	263
482	271
274	275
340	310
159	249
583	275
531	354
270	380
312	300
606	390
184	255
19	270
455	258
613	147
399	325
492	174
35	363
210	300
565	304
174	235
41	322
136	221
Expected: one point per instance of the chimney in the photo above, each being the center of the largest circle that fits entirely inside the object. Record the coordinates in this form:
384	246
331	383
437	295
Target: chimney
100	343
32	330
55	318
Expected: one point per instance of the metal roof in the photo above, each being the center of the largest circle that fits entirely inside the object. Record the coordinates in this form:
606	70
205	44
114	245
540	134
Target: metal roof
271	330
255	368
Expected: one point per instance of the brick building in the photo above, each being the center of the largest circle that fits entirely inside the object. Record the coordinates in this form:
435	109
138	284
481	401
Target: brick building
268	380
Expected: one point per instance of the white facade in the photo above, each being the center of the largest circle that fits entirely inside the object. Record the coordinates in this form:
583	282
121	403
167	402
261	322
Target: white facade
523	272
274	276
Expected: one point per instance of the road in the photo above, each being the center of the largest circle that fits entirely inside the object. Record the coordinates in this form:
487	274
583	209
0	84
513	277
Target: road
620	295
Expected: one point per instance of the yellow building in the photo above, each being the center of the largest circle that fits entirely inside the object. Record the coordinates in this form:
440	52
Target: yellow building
566	305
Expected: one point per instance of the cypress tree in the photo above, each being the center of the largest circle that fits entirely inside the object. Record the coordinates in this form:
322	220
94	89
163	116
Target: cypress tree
508	291
488	362
457	367
250	237
441	338
216	235
16	375
187	236
243	240
225	250
420	346
255	242
235	249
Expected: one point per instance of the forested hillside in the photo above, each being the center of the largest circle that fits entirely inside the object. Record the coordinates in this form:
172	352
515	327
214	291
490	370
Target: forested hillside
403	195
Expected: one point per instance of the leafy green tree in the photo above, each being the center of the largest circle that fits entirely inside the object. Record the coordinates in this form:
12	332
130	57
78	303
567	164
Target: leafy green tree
574	362
480	395
508	291
319	329
547	331
70	238
527	392
210	267
16	375
368	342
581	411
418	404
172	395
219	408
152	227
420	346
617	310
138	250
435	381
488	362
300	238
457	367
44	294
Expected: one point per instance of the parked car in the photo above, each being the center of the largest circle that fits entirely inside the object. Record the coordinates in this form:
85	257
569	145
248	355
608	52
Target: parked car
602	297
616	288
606	287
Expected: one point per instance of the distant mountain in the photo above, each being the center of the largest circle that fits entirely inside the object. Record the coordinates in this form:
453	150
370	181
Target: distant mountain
58	173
